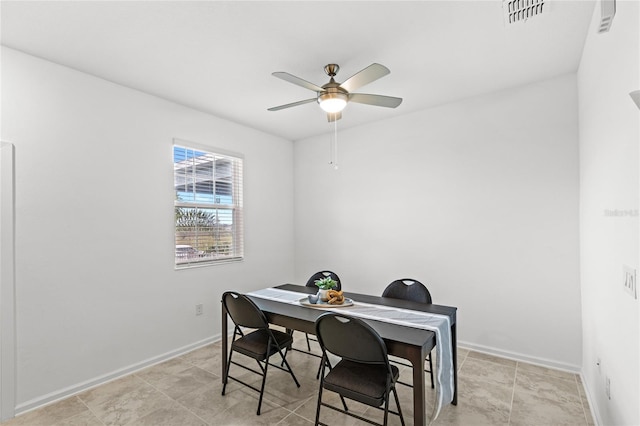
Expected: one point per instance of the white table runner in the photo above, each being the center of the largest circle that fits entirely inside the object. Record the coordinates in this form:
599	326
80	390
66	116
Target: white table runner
439	324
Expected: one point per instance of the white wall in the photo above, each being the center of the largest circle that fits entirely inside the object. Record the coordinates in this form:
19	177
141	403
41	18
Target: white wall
7	283
477	199
97	292
609	134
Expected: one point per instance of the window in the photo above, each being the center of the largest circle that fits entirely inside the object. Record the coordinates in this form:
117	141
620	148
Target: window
208	206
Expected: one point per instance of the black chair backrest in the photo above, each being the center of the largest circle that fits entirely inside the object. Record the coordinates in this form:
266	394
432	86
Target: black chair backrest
323	274
408	289
243	311
350	338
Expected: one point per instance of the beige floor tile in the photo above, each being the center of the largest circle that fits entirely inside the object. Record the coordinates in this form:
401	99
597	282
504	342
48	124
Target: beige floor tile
479	402
186	391
50	414
498	373
534	410
300	342
405	395
543	399
170	415
208	358
547	387
304	366
121	409
113	389
523	366
462	354
86	418
406	378
307	409
239	414
184	382
492	358
377	414
208	403
160	371
329	416
466	415
294	420
280	389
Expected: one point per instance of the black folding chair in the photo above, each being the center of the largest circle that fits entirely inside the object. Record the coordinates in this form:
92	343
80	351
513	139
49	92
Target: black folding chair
363	374
311	282
415	291
258	344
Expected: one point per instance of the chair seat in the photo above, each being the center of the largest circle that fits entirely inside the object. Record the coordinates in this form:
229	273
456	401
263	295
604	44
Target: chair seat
254	344
366	383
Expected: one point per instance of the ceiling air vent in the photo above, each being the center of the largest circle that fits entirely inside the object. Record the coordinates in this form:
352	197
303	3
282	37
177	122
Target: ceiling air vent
607	12
522	10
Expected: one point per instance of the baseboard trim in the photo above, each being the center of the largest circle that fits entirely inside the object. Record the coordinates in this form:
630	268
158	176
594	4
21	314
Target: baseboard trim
544	362
595	414
114	375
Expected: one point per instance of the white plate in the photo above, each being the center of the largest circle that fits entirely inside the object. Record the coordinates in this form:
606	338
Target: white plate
305	301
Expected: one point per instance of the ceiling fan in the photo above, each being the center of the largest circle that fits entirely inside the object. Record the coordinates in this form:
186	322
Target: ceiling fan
333	97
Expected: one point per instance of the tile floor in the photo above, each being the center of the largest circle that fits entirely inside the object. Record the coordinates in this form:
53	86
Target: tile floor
185	391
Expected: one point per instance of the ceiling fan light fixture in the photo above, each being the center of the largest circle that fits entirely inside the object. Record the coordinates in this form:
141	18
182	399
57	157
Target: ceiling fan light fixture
333	102
333	97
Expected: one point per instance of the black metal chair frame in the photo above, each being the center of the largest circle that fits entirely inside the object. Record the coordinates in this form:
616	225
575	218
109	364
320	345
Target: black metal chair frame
370	351
403	289
253	318
311	282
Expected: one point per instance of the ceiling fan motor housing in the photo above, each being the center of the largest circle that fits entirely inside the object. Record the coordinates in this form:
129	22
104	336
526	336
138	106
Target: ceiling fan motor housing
332	90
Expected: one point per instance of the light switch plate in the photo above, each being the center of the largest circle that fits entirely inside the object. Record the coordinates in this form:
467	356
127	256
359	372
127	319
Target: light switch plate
630	281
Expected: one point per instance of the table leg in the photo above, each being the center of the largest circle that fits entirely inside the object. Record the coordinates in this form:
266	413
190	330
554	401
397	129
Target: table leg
223	333
417	358
454	353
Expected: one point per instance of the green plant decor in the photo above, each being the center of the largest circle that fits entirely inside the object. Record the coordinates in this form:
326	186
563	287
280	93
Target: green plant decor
326	283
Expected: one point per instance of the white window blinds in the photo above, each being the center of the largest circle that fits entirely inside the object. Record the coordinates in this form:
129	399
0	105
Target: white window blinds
208	206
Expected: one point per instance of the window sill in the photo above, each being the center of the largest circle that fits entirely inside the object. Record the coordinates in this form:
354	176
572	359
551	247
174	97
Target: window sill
182	266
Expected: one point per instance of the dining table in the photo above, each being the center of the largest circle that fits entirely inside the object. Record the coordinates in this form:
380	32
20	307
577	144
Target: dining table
407	342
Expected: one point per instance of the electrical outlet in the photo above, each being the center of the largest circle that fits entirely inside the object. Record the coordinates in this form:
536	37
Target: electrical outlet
630	283
199	309
608	387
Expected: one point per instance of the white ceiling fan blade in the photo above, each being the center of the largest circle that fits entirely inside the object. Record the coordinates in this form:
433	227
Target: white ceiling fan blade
377	100
635	95
365	76
297	80
278	108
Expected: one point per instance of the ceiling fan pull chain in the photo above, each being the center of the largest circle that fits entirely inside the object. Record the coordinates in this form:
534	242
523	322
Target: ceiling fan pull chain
334	146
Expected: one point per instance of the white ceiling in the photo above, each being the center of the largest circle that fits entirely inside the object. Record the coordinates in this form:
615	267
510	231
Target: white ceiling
218	57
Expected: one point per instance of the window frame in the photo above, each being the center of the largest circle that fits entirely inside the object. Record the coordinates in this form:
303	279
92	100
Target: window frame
236	206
